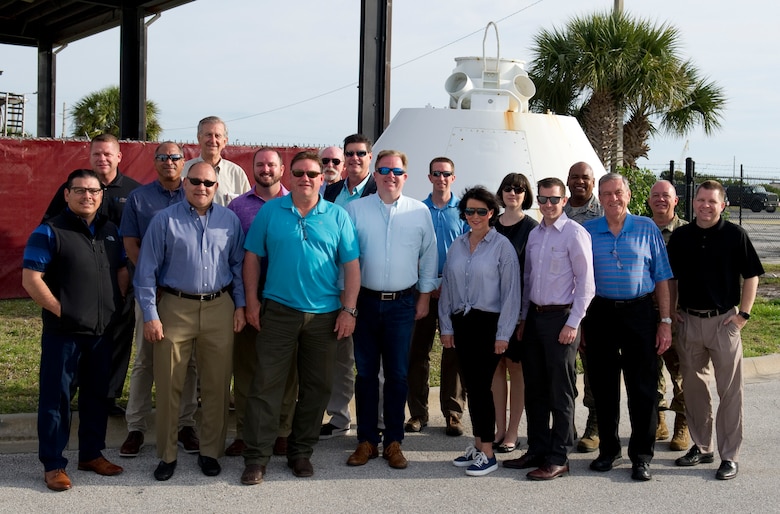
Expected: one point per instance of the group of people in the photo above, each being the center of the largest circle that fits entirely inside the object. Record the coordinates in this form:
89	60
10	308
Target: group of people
287	292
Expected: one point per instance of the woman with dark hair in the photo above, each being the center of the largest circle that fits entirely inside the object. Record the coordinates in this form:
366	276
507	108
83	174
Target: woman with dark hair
478	311
515	196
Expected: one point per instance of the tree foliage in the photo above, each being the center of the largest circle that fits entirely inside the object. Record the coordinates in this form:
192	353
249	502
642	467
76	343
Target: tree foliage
98	113
640	181
624	79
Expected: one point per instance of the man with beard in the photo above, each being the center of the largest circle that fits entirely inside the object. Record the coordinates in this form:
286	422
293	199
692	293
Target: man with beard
332	166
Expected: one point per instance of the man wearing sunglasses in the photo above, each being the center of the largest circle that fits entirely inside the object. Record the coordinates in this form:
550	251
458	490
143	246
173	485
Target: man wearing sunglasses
190	289
359	182
212	139
142	204
398	267
332	166
304	313
104	158
443	206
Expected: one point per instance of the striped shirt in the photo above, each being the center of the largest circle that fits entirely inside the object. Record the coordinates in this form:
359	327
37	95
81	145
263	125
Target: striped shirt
629	265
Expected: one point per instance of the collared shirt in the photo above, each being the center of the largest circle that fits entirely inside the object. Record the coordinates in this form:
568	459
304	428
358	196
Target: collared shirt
249	204
346	196
487	280
397	244
559	268
629	265
447	224
304	253
115	196
181	252
143	203
230	176
666	230
591	210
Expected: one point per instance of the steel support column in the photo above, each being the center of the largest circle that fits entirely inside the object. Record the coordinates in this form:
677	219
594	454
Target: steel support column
47	71
374	81
132	75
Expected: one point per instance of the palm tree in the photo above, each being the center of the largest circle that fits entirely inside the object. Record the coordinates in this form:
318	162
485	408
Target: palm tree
624	80
98	113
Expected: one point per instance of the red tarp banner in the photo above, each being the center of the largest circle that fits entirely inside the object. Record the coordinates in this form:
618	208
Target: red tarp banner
31	170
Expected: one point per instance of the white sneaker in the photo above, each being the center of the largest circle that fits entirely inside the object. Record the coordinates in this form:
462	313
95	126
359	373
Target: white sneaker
466	459
482	465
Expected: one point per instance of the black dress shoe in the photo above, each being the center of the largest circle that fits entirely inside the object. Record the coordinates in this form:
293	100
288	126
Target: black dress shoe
209	466
640	471
164	470
605	463
727	470
524	462
695	457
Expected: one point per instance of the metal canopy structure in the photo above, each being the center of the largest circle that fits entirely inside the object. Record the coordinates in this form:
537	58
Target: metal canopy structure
47	24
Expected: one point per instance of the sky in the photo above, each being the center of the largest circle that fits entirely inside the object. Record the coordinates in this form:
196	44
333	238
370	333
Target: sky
285	73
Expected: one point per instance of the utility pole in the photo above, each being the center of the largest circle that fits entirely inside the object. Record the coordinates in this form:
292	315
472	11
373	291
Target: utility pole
618	6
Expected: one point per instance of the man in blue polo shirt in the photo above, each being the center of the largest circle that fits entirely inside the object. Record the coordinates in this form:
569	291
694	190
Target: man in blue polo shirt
307	240
621	330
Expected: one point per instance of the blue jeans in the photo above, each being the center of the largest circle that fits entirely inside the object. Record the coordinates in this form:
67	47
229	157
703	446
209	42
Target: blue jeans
61	357
383	333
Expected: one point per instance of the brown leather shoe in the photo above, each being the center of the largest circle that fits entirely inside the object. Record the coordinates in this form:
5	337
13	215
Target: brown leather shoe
236	448
188	440
301	467
548	472
363	452
280	446
57	480
394	456
253	474
416	424
524	462
101	466
132	445
454	426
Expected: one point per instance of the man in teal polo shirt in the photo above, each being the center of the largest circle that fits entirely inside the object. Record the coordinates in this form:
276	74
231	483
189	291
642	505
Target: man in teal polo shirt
307	240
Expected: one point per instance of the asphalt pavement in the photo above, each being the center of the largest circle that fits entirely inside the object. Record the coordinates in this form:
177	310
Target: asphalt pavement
430	483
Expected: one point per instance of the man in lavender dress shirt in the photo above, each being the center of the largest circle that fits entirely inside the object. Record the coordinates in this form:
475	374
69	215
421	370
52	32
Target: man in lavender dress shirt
558	287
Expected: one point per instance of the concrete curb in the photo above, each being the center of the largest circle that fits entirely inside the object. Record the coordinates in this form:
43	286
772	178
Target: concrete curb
18	432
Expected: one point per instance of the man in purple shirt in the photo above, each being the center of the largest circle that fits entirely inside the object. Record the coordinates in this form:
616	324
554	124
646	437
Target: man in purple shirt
558	287
267	169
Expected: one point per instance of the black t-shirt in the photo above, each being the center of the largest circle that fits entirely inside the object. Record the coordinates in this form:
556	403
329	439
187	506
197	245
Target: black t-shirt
707	264
518	236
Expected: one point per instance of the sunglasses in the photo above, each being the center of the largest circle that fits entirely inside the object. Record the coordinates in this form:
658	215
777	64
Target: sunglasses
328	160
162	157
198	181
555	200
359	153
395	171
470	211
310	174
445	174
516	189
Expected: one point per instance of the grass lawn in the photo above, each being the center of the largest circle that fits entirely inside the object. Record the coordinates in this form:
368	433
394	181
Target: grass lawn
20	328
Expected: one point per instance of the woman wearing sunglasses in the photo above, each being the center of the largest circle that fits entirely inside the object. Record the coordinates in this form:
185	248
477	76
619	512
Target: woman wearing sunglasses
515	196
478	311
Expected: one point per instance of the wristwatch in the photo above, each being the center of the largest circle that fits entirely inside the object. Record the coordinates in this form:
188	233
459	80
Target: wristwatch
668	321
351	310
744	315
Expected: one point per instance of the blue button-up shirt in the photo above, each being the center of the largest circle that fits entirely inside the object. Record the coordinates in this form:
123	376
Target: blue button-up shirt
447	224
397	244
143	203
181	252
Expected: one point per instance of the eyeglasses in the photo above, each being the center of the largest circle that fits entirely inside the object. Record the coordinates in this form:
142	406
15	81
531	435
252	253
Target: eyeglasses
359	153
162	157
555	200
81	191
328	160
198	181
395	171
445	174
480	211
310	174
516	189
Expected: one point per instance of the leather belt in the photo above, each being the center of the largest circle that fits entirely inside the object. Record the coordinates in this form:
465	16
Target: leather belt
624	303
550	308
706	314
199	297
385	295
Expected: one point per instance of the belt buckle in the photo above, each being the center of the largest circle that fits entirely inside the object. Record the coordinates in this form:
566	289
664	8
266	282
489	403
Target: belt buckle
383	296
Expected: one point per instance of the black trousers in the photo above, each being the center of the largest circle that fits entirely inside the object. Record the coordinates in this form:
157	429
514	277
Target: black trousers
621	336
550	378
